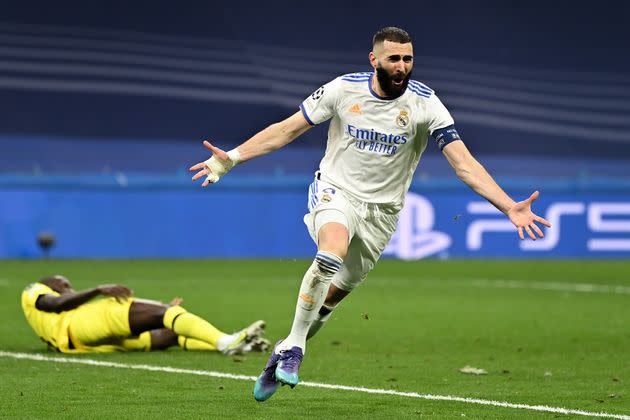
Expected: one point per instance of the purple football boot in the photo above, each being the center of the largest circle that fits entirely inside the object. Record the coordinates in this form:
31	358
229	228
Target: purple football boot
288	366
266	384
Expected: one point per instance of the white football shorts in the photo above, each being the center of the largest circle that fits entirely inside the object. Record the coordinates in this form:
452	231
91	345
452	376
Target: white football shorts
370	227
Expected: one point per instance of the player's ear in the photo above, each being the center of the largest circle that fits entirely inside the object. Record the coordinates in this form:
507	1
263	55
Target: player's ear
373	59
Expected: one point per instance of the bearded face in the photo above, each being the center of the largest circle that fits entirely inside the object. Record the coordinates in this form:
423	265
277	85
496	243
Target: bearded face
393	83
392	62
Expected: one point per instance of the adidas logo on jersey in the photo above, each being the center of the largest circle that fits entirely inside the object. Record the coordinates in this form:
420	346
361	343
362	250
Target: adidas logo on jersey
355	109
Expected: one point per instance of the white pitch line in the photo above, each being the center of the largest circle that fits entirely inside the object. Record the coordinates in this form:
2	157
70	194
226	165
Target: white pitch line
167	369
563	287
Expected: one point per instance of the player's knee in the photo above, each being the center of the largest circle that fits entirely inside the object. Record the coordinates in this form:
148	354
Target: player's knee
334	238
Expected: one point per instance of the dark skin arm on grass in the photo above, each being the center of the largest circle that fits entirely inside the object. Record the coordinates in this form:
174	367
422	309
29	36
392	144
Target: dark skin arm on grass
70	299
144	315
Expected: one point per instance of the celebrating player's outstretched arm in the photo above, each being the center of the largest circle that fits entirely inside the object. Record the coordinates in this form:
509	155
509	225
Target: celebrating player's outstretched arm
271	138
469	170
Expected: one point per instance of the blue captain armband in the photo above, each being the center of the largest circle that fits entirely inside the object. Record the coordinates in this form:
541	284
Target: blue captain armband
446	135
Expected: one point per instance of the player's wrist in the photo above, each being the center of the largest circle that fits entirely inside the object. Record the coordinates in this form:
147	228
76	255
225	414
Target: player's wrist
235	156
219	167
507	206
224	165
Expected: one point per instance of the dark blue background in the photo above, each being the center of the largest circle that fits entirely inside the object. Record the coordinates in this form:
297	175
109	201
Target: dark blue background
568	40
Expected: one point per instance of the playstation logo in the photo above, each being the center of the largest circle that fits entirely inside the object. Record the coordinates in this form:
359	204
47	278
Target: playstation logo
414	238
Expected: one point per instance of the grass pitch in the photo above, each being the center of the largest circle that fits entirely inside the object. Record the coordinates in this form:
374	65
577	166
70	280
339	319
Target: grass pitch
410	327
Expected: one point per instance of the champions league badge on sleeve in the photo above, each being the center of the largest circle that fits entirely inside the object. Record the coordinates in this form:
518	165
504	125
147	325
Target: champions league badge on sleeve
318	93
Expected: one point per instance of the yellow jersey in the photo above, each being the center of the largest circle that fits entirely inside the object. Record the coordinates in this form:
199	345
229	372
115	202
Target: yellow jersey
51	327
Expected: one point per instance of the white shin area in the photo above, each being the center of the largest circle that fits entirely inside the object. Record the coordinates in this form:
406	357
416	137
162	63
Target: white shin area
312	294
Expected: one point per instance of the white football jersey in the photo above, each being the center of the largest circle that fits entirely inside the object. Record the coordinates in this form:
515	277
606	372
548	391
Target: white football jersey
374	144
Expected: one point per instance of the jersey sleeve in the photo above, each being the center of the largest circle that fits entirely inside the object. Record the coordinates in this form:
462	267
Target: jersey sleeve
34	291
322	104
437	115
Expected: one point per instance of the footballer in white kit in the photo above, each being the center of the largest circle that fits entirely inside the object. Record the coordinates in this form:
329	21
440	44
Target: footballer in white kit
374	146
380	123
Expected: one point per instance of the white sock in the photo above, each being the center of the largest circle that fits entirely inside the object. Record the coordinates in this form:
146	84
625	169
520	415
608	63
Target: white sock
313	291
226	340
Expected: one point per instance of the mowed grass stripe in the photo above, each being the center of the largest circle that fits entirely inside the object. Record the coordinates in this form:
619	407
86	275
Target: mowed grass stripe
168	369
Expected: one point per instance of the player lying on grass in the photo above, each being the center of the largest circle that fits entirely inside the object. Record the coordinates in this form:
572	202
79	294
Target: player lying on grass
380	125
108	318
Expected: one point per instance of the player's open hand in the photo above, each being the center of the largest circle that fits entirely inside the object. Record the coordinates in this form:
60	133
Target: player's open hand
117	291
215	167
523	218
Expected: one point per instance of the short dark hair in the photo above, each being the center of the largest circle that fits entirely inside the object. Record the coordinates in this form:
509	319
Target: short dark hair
391	33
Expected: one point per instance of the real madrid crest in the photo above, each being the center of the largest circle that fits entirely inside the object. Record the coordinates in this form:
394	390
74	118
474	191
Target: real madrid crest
403	118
